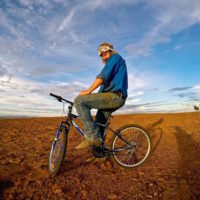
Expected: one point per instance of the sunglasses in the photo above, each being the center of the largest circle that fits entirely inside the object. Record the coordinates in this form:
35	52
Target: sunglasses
103	53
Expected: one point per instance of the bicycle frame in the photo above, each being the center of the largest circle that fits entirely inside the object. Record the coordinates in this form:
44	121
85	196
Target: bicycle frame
70	117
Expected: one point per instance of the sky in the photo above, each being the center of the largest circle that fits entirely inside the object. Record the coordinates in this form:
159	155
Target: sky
51	46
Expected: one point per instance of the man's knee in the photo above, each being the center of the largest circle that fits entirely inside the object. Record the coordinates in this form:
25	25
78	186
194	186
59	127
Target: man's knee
77	100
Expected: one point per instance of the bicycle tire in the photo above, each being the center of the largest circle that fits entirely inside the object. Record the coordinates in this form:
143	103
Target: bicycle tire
120	132
55	169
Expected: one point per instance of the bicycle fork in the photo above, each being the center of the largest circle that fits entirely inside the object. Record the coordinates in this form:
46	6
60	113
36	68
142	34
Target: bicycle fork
62	125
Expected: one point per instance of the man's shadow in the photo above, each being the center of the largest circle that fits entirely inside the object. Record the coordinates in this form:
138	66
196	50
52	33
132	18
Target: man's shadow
155	133
189	165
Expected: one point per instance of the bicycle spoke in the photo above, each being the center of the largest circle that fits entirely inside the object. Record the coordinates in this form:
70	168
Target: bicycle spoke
126	155
139	138
122	148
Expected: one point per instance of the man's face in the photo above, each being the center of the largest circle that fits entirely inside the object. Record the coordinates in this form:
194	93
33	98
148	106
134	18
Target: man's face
106	55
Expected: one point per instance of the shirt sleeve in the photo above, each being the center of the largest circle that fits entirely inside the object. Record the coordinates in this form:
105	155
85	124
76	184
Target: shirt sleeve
108	69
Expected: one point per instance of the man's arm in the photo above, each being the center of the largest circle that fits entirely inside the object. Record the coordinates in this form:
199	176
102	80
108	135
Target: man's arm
110	68
96	84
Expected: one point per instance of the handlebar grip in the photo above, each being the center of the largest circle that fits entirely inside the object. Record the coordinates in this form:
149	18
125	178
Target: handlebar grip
59	98
56	96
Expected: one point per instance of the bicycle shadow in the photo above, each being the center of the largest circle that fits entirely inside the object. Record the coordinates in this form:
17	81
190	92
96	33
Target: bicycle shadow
4	184
155	133
152	126
188	167
73	164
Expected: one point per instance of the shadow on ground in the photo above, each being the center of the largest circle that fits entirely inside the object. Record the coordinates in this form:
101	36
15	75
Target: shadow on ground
155	133
188	167
4	184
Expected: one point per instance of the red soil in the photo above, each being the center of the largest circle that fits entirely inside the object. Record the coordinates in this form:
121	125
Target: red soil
172	172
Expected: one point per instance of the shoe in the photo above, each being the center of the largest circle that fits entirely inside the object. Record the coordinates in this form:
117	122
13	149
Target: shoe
96	160
88	143
91	159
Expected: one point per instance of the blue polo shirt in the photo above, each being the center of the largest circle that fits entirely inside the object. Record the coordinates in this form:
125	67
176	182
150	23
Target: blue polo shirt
114	75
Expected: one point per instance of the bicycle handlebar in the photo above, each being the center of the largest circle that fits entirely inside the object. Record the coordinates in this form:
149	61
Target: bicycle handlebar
59	98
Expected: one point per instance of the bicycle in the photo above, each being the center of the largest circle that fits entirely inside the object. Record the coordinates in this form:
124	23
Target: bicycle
130	145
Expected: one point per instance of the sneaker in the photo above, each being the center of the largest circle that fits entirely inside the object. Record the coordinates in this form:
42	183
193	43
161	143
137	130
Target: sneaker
88	143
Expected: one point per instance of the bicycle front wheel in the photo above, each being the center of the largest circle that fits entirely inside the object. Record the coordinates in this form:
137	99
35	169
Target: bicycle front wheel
131	147
58	150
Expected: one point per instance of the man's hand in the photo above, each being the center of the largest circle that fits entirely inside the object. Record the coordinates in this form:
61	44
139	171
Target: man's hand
96	84
83	92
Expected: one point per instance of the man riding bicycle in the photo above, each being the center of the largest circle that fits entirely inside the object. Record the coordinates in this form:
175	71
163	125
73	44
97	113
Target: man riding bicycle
112	94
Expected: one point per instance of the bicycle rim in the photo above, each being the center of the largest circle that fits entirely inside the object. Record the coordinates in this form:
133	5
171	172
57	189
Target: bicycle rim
134	155
57	152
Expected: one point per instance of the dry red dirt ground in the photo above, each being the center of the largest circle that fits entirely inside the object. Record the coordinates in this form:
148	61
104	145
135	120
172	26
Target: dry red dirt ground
172	172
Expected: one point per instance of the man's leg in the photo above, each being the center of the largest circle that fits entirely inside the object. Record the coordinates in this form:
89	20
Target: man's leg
91	130
102	117
84	103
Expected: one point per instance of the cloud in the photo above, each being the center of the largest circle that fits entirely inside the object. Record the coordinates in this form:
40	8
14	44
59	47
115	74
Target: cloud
3	71
136	80
136	94
167	21
81	9
22	95
150	107
177	47
27	112
143	47
50	45
134	97
55	30
65	36
66	22
179	89
197	87
188	94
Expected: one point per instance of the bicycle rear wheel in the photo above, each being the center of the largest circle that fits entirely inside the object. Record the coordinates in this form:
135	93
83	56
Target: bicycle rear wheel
132	147
58	150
